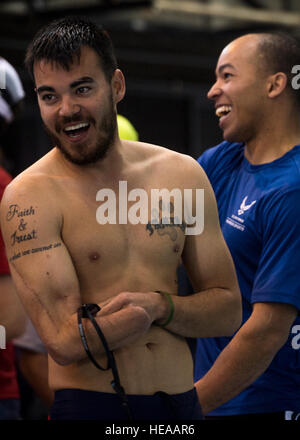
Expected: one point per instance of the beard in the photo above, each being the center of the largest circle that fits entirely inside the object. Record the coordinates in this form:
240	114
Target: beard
82	155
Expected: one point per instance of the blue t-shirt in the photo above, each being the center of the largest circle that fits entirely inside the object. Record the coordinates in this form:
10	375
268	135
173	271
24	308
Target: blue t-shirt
259	209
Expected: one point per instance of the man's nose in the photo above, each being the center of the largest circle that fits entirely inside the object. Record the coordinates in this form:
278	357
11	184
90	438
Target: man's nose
68	107
214	91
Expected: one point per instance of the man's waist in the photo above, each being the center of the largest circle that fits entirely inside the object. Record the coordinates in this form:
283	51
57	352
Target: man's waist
145	366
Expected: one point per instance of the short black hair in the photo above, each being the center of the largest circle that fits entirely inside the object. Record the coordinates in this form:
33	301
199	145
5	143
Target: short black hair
61	41
279	52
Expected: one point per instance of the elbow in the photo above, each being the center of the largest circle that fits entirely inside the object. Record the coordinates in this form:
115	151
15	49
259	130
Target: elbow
64	345
61	360
62	352
66	350
61	357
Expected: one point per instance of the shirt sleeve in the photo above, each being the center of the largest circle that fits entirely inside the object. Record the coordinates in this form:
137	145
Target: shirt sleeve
278	275
206	157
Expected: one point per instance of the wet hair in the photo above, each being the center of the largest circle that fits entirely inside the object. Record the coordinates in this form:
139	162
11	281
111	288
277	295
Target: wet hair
60	42
279	52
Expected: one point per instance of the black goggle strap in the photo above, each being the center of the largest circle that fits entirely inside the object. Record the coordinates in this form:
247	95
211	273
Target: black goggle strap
89	311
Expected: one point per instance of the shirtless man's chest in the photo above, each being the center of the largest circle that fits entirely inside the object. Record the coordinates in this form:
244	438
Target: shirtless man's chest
110	257
106	256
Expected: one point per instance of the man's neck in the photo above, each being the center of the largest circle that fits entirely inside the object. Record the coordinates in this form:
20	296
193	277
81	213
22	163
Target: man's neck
272	142
107	168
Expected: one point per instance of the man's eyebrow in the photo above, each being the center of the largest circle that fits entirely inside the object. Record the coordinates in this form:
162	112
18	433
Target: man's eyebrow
44	89
78	82
224	66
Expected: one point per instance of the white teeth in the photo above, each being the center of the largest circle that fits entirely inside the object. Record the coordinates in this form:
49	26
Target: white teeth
223	110
76	127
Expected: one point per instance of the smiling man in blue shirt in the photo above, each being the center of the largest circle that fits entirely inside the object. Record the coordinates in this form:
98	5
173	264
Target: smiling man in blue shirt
255	174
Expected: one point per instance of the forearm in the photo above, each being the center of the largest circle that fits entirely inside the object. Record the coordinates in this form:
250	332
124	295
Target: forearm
119	329
248	355
210	313
238	365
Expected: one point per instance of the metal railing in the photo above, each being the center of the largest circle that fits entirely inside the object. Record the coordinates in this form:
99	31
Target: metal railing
221	10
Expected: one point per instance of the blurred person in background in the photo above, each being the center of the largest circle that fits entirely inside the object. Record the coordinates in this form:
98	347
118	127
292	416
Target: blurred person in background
32	362
12	316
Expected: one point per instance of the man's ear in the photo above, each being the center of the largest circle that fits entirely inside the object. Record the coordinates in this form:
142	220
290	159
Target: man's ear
118	85
276	84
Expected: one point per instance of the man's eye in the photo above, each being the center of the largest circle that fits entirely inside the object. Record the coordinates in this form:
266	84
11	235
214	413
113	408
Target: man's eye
227	75
48	97
84	89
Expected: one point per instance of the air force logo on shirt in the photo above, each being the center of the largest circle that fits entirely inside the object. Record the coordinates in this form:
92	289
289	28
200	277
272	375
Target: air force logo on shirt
236	221
245	207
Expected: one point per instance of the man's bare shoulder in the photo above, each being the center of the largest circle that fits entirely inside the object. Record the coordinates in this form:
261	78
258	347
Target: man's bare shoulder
171	163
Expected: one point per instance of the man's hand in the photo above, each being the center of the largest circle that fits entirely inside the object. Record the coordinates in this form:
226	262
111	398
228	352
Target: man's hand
153	303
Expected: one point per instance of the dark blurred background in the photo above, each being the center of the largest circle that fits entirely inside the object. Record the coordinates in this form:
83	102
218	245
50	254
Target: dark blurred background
167	50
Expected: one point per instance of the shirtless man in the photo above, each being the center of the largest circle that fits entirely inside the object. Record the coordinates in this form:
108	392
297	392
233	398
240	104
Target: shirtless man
61	257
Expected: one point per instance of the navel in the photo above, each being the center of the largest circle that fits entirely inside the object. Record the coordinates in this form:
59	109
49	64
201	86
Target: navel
176	248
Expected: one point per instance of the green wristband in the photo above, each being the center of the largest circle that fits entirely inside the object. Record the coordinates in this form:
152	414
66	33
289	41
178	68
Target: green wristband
171	313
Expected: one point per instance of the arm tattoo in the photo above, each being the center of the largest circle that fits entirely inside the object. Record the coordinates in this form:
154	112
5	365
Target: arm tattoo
34	251
22	233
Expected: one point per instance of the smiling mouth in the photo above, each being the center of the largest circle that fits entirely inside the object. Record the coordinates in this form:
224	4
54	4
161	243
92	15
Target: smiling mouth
76	130
223	110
